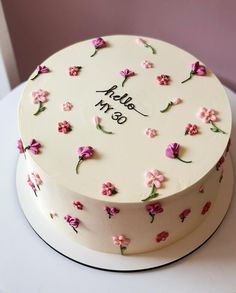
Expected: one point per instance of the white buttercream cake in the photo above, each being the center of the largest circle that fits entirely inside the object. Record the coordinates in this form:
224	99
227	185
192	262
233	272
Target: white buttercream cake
124	139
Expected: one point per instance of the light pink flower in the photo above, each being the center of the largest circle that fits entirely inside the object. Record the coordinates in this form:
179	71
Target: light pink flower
32	185
121	240
162	236
64	127
96	120
176	101
140	41
151	132
108	189
77	204
146	64
39	96
191	129
37	178
207	115
154	177
67	106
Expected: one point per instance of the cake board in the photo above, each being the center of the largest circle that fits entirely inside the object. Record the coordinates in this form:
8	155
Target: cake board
115	262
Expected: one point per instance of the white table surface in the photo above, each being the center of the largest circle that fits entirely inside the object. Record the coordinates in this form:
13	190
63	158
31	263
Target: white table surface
28	265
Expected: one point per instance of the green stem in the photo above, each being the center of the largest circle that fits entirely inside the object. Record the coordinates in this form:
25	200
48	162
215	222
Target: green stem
177	157
38	186
167	107
152	217
74	229
35	193
124	81
77	166
122	249
190	76
40	109
152	194
95	52
149	46
103	130
215	128
35	75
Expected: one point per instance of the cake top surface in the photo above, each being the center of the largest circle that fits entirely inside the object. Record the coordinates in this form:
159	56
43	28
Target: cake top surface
129	156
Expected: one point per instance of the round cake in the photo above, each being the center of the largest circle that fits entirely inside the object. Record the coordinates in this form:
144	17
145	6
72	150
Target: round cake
124	139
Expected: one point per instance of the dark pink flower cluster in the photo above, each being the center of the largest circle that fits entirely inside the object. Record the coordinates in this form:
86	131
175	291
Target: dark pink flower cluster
153	209
64	127
108	189
77	204
191	129
111	211
162	236
206	208
163	79
74	70
184	214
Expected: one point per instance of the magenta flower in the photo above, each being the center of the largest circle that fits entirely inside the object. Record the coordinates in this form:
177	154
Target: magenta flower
37	179
98	43
162	236
111	211
32	185
77	204
172	151
209	116
197	69
39	97
206	208
41	69
74	70
191	129
97	121
153	209
151	132
184	214
142	42
67	106
126	73
108	189
73	222
175	101
220	162
64	127
84	152
20	146
34	146
153	179
121	241
163	79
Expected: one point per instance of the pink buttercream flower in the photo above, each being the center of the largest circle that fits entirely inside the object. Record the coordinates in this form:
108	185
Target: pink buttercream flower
173	102
153	209
184	214
64	127
37	179
73	222
162	236
126	73
163	79
121	241
98	43
153	179
191	129
84	152
172	151
39	97
77	204
20	146
146	64
108	189
97	120
111	211
32	185
41	69
206	208
144	43
209	116
151	132
67	106
74	70
197	69
34	146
